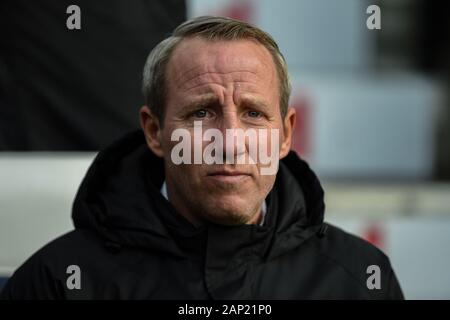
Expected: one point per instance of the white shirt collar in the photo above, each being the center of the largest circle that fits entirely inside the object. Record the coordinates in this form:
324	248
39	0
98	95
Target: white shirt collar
263	207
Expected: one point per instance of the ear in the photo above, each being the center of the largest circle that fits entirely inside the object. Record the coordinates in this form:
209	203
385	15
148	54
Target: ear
152	130
288	129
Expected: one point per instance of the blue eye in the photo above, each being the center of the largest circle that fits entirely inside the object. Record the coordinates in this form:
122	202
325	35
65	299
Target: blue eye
200	113
254	114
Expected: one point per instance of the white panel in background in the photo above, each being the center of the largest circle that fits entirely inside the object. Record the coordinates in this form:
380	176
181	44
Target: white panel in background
36	195
370	126
312	34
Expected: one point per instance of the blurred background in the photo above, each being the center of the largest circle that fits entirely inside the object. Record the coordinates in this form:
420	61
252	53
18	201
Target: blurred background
373	112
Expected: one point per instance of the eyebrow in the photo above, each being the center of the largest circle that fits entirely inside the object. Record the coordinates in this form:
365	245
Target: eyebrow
202	102
211	99
256	102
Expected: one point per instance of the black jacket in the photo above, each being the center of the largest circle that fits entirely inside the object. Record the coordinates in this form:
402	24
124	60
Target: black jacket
130	243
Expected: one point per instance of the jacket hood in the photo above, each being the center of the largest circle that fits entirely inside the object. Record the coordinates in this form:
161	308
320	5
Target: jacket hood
120	199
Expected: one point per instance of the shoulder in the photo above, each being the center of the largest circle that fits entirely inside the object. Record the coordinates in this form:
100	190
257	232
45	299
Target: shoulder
358	260
349	249
72	247
44	274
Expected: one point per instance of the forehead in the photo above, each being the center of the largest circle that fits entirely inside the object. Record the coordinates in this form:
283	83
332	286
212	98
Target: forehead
245	59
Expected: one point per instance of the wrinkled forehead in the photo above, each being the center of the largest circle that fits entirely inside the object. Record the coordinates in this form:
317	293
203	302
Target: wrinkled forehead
244	58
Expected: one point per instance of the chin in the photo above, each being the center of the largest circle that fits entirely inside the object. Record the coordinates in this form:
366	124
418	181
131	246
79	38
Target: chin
227	219
228	213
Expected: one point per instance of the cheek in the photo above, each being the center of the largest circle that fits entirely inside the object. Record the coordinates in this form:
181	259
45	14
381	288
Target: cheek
264	183
187	177
269	143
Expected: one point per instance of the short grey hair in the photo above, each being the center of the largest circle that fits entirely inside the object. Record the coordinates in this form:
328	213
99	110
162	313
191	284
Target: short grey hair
211	28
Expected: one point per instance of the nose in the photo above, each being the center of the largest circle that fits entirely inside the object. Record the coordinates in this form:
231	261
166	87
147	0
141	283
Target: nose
233	149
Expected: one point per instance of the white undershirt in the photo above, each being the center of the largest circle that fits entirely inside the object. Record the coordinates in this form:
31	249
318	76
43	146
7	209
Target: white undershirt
263	207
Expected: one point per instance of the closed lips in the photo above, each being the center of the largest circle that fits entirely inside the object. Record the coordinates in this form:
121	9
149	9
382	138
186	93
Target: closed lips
228	173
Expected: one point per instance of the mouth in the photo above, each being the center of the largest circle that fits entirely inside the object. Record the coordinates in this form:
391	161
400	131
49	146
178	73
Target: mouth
228	176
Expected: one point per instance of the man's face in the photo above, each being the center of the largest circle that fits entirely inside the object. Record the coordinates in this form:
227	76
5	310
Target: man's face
225	85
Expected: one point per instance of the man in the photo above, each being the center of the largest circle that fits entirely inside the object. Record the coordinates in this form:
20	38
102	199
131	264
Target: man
149	226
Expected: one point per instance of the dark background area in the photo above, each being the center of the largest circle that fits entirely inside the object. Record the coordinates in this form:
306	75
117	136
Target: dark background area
64	89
